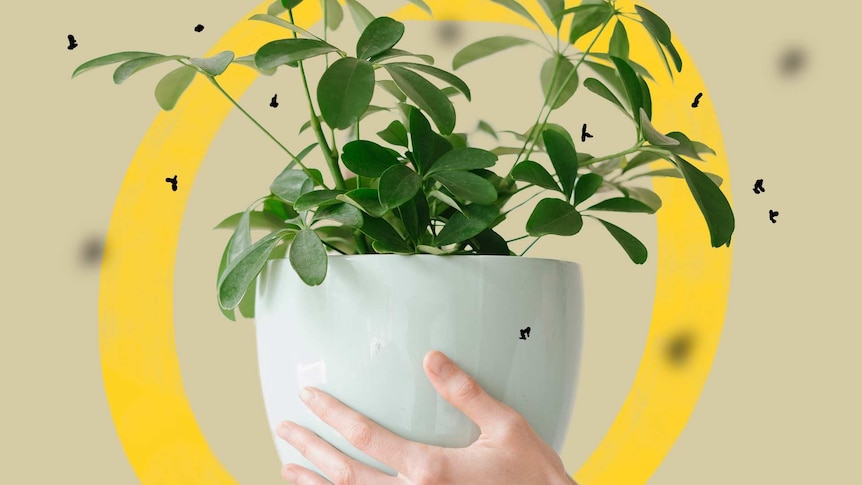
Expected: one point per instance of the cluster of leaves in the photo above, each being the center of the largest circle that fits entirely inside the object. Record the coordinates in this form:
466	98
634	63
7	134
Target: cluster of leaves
428	191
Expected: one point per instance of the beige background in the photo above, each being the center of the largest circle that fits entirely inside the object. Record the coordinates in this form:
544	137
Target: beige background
781	404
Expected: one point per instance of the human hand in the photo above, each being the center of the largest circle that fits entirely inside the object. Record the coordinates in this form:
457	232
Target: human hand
507	450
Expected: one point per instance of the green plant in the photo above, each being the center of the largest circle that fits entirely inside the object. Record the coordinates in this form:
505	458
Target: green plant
421	190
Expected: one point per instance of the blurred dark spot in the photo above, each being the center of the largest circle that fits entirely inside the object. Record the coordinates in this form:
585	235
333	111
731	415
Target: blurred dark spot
448	32
199	28
93	251
792	61
679	348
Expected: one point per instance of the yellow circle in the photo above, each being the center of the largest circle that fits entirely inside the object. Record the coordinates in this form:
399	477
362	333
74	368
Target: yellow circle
151	412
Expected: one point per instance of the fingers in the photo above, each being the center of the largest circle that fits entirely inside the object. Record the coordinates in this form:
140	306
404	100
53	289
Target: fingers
409	458
463	392
341	469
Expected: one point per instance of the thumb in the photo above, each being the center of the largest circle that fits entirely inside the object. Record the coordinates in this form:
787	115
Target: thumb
463	392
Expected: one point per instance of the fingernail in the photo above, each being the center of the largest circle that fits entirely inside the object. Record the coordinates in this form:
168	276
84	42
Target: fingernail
288	474
440	365
283	429
307	396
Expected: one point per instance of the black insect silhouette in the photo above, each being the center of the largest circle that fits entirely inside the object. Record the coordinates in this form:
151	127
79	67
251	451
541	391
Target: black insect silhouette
173	182
199	28
696	100
772	215
72	42
758	186
274	102
584	134
525	333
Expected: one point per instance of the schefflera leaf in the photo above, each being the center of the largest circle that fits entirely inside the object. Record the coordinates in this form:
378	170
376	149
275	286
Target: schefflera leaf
214	65
635	249
308	257
381	35
173	85
554	216
237	276
345	91
110	59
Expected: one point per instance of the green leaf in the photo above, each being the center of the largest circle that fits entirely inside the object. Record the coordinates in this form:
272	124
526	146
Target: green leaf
345	91
701	148
238	276
599	88
608	75
554	216
533	173
588	19
398	185
467	186
227	312
290	4
562	89
422	139
646	196
677	60
343	213
290	184
257	220
619	45
564	159
491	243
361	16
285	51
248	61
111	59
383	248
126	69
424	6
621	204
654	136
586	187
380	230
713	205
392	53
333	13
365	199
173	85
308	257
647	98
395	134
684	147
284	24
449	78
640	70
485	48
463	159
316	198
317	176
427	97
445	199
641	158
484	126
654	24
367	158
553	9
518	9
392	88
632	246
631	85
246	305
214	65
240	240
381	35
461	227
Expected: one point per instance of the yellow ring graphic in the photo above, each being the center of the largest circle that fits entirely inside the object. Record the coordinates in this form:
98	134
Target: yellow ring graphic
151	412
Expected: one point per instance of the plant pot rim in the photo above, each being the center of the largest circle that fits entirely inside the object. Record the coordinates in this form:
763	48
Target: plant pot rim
483	257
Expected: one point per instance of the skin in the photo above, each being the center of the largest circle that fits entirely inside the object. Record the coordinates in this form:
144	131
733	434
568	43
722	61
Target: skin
507	450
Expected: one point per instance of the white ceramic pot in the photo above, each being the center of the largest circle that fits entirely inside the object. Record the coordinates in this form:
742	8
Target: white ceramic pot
361	336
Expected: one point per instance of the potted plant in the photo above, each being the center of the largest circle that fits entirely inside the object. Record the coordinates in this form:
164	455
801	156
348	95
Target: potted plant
360	275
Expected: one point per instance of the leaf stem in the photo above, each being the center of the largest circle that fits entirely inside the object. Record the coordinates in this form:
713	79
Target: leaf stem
525	236
531	245
526	201
286	150
534	136
328	153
